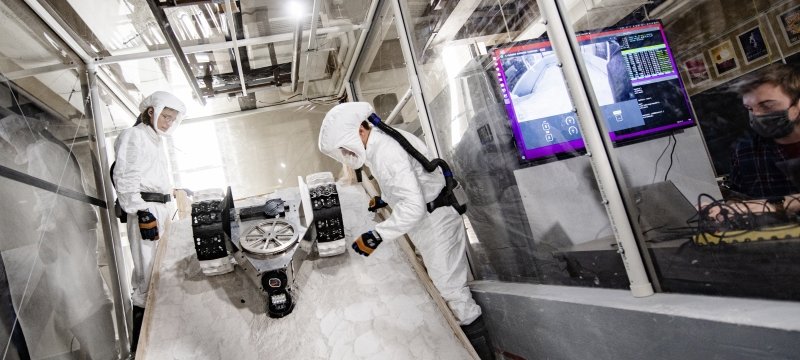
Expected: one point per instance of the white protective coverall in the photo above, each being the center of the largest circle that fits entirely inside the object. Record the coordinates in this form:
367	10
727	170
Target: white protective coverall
65	242
141	166
440	236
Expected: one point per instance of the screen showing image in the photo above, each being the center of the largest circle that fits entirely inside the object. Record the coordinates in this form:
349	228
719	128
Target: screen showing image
633	74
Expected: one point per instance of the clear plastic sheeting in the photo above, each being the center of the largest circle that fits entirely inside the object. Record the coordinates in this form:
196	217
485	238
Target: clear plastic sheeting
350	307
59	305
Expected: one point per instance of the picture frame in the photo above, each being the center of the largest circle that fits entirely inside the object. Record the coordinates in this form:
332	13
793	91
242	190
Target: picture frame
753	45
789	22
723	57
697	70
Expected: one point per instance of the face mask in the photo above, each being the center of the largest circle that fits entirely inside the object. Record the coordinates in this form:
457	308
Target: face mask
774	125
351	160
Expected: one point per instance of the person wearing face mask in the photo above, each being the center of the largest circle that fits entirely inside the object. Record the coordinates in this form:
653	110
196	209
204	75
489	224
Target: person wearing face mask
765	165
143	186
436	229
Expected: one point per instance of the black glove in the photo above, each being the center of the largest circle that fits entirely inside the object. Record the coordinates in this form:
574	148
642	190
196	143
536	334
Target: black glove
376	203
366	243
148	225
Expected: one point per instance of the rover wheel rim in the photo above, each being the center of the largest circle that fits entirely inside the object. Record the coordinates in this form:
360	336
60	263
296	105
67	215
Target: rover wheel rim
269	237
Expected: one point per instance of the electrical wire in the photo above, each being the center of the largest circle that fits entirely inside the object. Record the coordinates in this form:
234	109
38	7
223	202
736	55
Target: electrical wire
655	169
671	155
734	218
331	100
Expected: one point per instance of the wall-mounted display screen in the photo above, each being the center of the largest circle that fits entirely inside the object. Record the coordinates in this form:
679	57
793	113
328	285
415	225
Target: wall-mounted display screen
633	74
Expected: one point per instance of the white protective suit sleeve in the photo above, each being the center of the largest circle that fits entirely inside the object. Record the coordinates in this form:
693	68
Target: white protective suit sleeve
129	170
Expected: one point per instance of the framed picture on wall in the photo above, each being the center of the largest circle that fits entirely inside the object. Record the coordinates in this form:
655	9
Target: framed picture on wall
790	24
752	44
723	56
697	70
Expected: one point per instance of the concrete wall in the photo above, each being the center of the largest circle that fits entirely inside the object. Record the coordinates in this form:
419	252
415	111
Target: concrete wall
555	322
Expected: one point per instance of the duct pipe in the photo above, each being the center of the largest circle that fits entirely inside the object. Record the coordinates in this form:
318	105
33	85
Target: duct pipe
579	86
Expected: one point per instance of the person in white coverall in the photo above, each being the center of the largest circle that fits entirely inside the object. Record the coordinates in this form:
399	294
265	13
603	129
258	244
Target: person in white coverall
440	236
142	182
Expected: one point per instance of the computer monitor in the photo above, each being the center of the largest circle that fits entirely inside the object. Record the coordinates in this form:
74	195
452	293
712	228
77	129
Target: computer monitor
634	77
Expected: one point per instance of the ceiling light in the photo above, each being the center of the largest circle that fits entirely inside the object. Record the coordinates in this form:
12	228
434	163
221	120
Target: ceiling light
295	9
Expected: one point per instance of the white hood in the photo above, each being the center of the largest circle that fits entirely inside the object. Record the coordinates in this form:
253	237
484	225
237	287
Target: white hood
158	101
340	131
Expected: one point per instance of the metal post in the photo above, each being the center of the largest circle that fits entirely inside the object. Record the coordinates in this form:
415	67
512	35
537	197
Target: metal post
298	37
579	86
413	78
235	39
312	45
119	287
399	107
366	28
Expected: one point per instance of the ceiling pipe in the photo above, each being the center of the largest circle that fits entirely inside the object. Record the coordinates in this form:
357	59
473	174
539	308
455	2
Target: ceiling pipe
236	49
175	46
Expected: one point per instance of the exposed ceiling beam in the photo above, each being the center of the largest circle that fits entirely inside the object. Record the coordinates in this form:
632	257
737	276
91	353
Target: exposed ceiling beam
72	40
46	106
78	46
19	74
261	40
455	21
175	46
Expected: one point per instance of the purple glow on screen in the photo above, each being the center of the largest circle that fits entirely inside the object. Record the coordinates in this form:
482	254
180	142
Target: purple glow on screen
533	152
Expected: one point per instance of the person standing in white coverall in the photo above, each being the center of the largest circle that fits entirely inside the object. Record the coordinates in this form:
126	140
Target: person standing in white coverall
143	186
439	235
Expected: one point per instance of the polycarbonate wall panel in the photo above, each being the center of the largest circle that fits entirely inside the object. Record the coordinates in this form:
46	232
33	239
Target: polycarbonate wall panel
381	76
662	82
523	215
721	164
55	299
